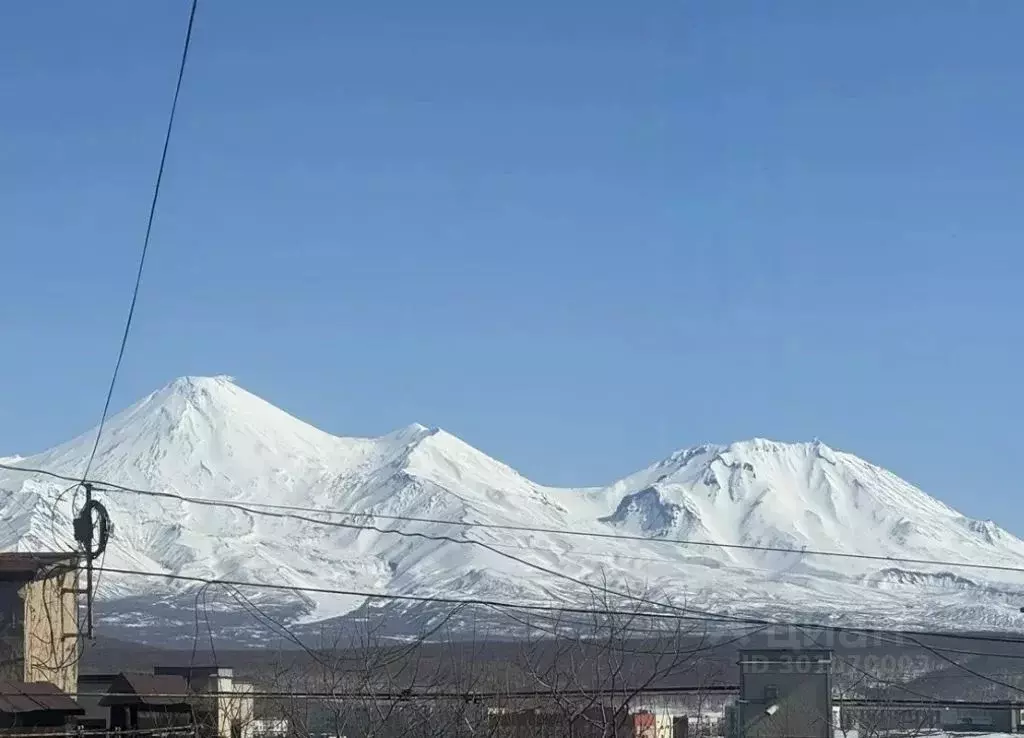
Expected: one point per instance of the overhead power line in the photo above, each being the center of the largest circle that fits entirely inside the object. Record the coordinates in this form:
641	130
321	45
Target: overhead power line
419	693
941	654
478	696
421	599
145	240
686	615
92	588
263	508
87	511
187	731
470	542
963	667
430	537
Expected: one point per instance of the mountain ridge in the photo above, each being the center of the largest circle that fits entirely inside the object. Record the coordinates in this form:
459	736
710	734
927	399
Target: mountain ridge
209	437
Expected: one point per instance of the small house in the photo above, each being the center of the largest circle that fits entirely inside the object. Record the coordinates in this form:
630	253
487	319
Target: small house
592	722
980	720
271	727
92	688
228	707
27	706
147	701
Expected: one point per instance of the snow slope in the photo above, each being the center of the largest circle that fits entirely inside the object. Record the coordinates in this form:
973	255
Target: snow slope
208	437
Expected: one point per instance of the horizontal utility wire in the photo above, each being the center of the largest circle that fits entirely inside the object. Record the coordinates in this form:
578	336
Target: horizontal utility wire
867	673
691	613
465	541
410	693
542	612
261	508
937	652
168	731
418	535
717	618
963	667
145	243
470	696
429	599
532	565
688	613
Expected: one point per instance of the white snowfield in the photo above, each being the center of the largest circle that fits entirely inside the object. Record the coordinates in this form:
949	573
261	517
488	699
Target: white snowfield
209	437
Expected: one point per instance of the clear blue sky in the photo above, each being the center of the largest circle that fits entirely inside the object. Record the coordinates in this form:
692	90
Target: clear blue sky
578	235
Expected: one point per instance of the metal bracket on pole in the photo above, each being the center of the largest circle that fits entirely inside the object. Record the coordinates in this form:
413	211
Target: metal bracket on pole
84	535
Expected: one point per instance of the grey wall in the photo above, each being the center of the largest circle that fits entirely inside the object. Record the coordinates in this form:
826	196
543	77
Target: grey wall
804	695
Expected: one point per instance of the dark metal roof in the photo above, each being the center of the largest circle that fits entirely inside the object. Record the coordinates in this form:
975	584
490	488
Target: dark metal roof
17	697
195	671
19	565
151	690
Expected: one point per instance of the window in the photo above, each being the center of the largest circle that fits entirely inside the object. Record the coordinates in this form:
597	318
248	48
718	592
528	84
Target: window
771	693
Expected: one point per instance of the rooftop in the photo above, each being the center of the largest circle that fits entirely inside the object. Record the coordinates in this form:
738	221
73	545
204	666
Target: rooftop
20	697
27	565
190	672
150	690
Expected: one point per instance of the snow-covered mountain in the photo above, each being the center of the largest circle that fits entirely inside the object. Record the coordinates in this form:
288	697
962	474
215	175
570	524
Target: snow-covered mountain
210	438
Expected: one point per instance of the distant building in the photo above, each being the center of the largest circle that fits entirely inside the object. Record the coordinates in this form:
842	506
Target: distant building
654	725
980	720
702	714
270	727
149	702
91	690
681	727
851	722
39	618
644	725
593	722
784	693
230	711
206	700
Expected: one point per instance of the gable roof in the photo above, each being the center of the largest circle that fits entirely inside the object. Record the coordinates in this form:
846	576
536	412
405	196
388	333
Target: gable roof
151	690
23	566
19	697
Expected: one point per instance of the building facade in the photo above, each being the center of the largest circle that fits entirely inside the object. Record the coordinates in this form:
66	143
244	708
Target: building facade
39	634
980	720
785	693
233	706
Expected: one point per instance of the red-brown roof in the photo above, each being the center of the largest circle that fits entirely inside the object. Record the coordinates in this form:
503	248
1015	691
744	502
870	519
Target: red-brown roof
24	565
17	697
